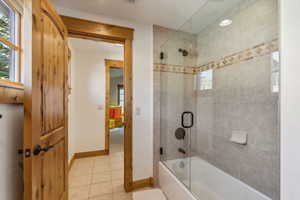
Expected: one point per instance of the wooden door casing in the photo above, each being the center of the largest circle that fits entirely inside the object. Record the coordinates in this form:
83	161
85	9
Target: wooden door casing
86	29
46	107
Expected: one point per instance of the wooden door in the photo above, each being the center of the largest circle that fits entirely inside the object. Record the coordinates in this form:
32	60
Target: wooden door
46	103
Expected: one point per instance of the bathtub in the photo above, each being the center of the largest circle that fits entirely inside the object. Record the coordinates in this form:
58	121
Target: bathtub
207	182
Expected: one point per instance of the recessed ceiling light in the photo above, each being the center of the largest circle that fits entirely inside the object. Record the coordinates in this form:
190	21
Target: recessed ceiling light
225	22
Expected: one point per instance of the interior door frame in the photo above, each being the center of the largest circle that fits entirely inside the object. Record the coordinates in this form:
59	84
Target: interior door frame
108	65
86	29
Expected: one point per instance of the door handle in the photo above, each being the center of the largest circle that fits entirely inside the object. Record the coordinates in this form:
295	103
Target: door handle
38	149
191	124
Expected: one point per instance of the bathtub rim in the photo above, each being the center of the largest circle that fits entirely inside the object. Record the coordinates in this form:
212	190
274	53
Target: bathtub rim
183	186
196	197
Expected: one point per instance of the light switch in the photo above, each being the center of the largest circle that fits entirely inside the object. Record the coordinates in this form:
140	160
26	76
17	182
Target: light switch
137	111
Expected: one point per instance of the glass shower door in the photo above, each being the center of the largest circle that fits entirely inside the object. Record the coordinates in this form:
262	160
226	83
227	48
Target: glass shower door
176	105
234	152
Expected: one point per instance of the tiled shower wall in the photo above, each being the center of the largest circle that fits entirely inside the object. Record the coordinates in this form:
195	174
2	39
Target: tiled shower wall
241	99
254	22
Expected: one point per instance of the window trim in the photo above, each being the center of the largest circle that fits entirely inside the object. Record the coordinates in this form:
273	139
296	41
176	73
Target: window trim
12	92
16	6
11	84
11	45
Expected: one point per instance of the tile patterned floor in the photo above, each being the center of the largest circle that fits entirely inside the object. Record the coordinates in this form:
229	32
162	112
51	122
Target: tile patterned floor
98	178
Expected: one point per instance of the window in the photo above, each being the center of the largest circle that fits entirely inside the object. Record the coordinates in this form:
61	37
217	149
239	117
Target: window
9	43
121	96
205	80
275	74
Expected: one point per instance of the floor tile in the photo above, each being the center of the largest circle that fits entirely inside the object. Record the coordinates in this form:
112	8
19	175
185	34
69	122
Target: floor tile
75	181
98	163
100	189
82	166
118	186
117	166
84	161
101	158
81	172
118	156
103	197
117	175
101	177
101	168
122	196
79	193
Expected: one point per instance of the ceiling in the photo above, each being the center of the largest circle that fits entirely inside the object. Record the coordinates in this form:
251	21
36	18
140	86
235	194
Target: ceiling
213	11
186	15
167	13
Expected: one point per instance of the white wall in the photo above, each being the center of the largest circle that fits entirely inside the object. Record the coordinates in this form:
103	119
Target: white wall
142	90
290	98
11	128
72	136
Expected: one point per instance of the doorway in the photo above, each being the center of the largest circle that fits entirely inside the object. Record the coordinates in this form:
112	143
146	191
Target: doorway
85	29
114	106
94	166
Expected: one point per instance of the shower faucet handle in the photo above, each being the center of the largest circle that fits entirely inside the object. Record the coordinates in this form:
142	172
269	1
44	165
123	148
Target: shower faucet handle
181	150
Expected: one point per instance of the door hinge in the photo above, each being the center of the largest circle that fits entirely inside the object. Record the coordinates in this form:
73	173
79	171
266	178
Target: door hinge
161	151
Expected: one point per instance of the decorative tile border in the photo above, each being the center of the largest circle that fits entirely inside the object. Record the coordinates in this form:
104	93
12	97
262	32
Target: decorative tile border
242	56
173	68
245	55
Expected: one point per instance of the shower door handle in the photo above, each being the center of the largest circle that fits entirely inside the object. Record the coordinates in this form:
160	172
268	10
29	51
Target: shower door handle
187	122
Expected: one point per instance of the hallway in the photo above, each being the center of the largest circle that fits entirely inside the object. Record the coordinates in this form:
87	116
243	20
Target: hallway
98	178
116	140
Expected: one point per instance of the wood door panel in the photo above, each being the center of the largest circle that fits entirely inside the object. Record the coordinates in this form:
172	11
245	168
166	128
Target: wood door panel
53	77
53	172
46	107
